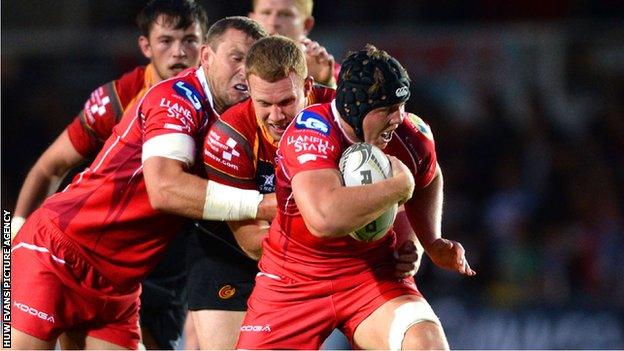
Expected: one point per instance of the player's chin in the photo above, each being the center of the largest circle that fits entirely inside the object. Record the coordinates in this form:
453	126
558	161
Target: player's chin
237	96
380	143
174	71
382	140
277	131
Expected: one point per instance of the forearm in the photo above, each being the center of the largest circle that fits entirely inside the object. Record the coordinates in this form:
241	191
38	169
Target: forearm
332	210
403	228
171	189
405	234
38	185
184	197
424	211
45	177
249	236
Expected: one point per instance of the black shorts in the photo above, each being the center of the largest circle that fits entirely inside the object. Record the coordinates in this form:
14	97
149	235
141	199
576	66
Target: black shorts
220	275
164	297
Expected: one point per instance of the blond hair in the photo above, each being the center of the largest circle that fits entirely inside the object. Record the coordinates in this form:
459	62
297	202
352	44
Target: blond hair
274	58
304	6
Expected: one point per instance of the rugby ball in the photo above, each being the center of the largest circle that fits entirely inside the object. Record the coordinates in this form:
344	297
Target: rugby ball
361	164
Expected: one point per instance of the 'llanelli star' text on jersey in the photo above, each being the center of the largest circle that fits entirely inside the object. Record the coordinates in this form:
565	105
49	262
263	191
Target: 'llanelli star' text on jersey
315	140
106	209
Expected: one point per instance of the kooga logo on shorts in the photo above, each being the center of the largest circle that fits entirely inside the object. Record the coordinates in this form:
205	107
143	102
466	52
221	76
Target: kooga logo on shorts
256	328
33	311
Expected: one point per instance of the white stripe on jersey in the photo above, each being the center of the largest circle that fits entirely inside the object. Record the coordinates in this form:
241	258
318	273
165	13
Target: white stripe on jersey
177	146
110	148
38	249
135	173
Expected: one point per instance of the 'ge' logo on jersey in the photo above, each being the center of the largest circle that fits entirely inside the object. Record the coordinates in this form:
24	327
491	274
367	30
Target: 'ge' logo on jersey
311	120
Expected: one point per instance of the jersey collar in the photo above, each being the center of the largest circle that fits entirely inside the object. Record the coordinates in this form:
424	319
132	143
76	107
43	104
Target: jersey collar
336	116
201	76
150	77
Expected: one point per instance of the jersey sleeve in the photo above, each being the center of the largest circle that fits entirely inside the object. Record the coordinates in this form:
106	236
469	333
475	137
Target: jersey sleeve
94	124
228	154
171	116
418	149
103	110
308	145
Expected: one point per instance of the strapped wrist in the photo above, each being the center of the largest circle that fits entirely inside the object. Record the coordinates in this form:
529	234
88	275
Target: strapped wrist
16	223
225	203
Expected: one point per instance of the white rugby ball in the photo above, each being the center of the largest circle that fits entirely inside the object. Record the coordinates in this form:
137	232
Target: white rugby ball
361	164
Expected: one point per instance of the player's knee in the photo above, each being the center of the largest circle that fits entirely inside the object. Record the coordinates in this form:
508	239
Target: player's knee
425	335
416	327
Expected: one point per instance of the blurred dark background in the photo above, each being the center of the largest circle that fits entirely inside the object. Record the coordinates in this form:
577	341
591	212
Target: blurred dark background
525	99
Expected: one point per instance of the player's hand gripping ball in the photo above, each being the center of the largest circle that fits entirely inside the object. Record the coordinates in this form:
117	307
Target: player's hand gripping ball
361	164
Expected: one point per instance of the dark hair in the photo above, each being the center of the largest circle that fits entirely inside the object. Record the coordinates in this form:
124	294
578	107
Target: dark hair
244	24
180	13
368	79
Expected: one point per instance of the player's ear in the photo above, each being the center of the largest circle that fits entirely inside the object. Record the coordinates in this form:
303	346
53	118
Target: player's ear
145	47
308	83
206	55
308	23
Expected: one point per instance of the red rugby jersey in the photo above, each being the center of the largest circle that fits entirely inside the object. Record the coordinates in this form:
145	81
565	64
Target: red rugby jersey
239	152
315	140
106	210
105	107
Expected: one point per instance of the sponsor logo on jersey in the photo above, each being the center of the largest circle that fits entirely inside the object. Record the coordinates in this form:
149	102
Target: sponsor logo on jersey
310	143
220	160
96	104
421	125
308	157
230	151
401	92
34	312
185	90
311	120
265	177
268	181
227	150
226	292
180	113
256	328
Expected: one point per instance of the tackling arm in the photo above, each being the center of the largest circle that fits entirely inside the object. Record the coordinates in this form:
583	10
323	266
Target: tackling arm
171	189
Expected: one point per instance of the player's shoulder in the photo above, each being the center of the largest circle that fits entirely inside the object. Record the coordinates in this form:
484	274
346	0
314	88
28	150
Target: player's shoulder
181	90
135	77
130	84
241	117
315	120
414	125
312	133
321	94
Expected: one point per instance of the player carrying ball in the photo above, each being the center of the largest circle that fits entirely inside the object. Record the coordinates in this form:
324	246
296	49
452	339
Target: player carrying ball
314	277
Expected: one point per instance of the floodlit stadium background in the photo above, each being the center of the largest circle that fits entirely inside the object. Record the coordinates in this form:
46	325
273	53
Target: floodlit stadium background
525	99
